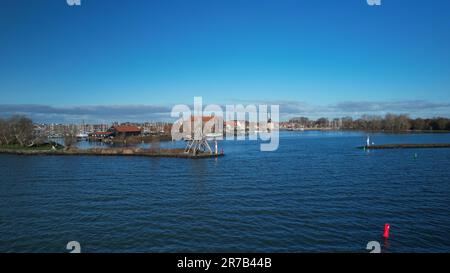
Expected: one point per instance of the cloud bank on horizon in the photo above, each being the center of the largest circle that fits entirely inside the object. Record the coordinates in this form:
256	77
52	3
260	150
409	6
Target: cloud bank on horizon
288	109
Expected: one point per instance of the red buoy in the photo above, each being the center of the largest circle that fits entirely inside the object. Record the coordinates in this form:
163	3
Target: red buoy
386	231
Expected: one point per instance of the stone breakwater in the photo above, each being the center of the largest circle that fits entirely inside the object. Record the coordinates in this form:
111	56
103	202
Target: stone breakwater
406	146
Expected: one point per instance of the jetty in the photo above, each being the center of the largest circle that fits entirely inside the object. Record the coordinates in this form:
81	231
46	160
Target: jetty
173	153
405	146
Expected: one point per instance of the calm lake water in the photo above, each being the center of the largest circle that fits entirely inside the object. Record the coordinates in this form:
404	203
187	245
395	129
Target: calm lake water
317	193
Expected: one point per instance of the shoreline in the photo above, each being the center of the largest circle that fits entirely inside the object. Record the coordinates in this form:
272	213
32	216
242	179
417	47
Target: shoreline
169	153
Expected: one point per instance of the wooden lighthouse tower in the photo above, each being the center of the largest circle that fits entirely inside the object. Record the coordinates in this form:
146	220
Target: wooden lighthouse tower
198	142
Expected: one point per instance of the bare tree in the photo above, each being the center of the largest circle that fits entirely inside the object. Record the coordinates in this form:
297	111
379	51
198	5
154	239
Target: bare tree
322	122
70	140
5	132
404	123
419	124
21	128
347	122
4	139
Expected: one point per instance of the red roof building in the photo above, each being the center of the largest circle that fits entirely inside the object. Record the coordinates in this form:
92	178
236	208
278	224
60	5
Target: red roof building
126	130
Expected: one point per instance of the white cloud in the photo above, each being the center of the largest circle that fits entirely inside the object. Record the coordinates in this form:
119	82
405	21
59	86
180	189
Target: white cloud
288	109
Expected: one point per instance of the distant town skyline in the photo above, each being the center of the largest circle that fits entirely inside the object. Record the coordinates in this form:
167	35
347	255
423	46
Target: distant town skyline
116	60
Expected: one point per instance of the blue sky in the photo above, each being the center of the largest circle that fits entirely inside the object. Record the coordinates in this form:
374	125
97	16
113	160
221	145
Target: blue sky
315	57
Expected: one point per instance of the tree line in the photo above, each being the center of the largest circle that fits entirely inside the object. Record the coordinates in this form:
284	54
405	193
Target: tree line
389	122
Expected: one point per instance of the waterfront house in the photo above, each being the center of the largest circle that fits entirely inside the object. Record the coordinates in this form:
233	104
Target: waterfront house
126	131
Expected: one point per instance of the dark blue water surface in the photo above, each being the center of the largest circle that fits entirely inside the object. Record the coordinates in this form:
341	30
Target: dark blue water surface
316	193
